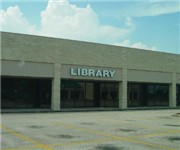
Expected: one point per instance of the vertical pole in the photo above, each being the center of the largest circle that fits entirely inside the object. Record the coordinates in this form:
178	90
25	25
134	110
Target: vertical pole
172	91
123	90
56	89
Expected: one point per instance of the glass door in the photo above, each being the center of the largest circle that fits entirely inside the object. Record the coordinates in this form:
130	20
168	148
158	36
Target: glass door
96	94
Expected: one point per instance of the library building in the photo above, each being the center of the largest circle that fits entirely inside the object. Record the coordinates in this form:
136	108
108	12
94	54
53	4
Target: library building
45	73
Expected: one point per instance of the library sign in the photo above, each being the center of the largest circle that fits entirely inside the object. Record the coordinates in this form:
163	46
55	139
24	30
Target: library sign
90	72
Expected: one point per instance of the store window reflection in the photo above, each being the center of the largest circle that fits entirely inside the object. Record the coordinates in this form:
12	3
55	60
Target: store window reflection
109	94
78	94
178	94
142	94
25	93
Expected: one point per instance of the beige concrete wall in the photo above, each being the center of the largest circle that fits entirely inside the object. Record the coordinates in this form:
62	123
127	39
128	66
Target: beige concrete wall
154	65
30	48
152	61
74	52
26	69
149	76
65	73
43	49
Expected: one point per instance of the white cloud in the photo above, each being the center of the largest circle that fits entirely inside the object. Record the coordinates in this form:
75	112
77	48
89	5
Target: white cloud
62	19
161	8
138	45
13	20
65	20
129	22
145	8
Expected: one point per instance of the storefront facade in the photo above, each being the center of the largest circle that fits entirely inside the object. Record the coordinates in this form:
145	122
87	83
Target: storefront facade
41	72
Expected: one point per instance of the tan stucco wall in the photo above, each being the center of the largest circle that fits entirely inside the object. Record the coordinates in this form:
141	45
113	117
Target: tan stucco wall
149	76
26	69
113	56
27	48
43	49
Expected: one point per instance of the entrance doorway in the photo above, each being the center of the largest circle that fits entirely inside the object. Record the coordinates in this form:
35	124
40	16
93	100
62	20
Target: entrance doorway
97	95
81	94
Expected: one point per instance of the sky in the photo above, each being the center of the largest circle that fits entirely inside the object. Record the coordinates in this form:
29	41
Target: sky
145	24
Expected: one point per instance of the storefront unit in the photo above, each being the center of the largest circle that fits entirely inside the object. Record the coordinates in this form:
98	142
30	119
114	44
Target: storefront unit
41	72
88	86
86	94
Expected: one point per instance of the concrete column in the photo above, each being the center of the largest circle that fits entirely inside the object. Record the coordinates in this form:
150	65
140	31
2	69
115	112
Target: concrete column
56	88
172	91
123	90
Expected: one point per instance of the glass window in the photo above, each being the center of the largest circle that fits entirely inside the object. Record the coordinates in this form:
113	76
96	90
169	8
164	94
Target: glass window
165	95
109	94
134	95
178	95
45	93
88	94
150	95
25	93
158	95
72	94
7	93
147	94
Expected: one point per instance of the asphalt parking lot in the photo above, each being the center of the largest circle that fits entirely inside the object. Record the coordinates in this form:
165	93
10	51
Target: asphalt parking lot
98	130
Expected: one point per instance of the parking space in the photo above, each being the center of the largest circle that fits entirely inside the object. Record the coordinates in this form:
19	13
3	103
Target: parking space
108	130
